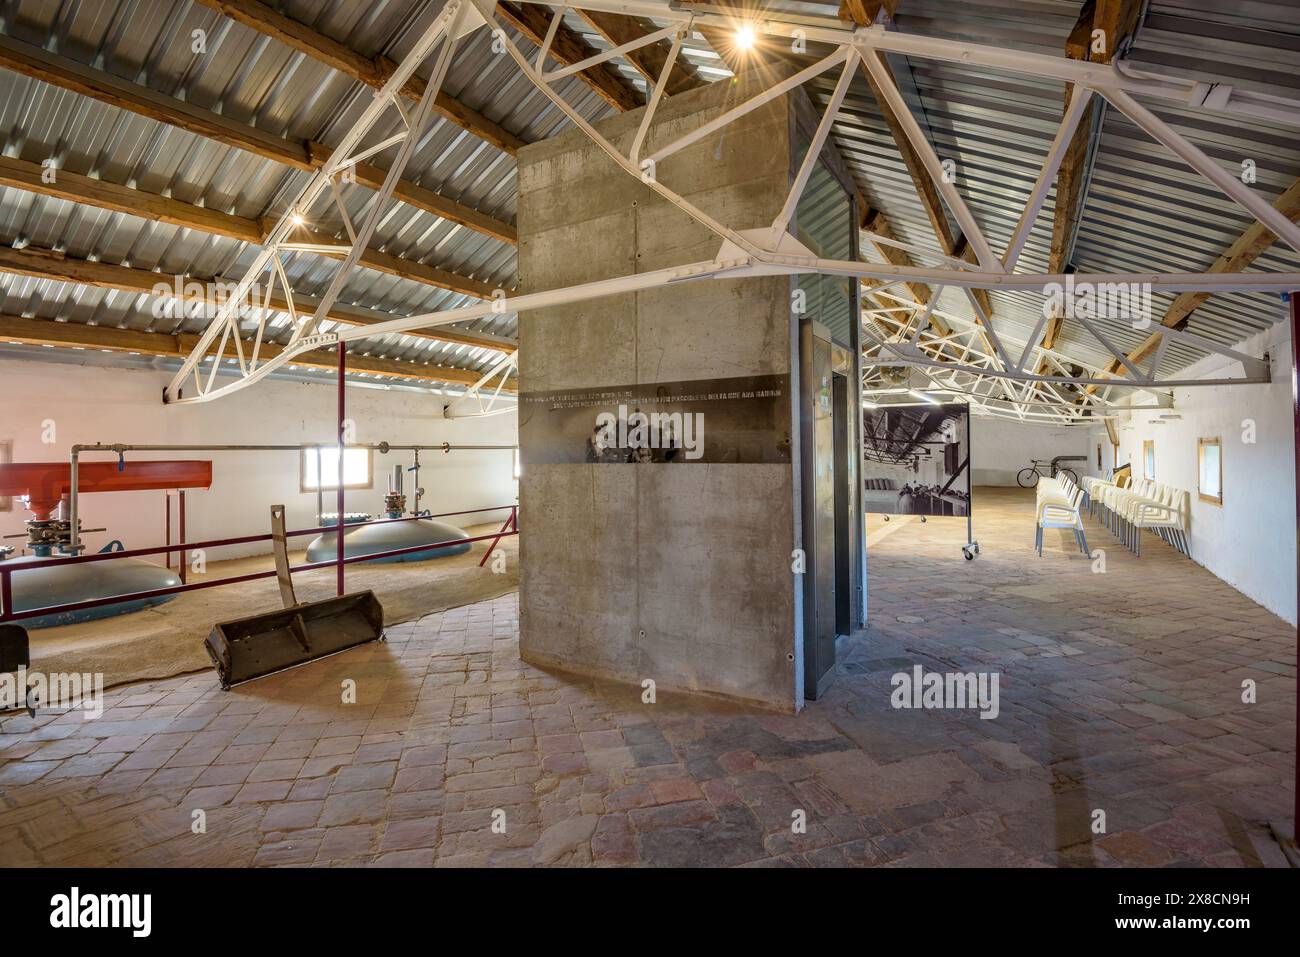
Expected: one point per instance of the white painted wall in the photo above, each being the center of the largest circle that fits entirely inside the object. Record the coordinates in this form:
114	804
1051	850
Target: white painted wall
1002	447
92	404
1249	541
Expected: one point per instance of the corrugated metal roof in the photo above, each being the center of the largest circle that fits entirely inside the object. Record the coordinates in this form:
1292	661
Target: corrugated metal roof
255	80
1145	209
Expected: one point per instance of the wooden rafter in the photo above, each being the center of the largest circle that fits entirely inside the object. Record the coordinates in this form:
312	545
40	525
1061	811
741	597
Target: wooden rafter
300	154
44	264
75	188
648	60
568	48
864	13
1052	330
1243	251
1107	23
874	221
423	198
375	73
18	329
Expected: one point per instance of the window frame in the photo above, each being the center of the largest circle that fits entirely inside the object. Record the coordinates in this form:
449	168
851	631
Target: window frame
1201	444
331	487
1149	445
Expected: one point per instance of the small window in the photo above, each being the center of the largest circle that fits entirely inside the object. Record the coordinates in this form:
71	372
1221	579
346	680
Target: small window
356	469
1149	460
6	456
1209	457
1098	456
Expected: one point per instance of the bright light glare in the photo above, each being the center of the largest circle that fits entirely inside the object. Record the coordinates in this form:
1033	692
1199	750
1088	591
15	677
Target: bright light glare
297	219
745	36
923	397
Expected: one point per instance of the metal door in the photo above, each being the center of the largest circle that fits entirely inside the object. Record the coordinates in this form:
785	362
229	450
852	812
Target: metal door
818	484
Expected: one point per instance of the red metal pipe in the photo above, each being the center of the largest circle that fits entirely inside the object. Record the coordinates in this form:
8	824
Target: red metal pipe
167	524
45	483
185	555
501	534
343	368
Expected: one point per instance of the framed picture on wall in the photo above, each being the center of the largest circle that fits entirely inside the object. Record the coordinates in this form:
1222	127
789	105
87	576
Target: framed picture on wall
1209	459
1149	460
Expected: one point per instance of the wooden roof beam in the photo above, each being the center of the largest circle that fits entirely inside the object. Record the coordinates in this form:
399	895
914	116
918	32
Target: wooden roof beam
568	48
297	35
1108	23
649	61
73	335
1243	251
864	13
303	155
75	188
44	264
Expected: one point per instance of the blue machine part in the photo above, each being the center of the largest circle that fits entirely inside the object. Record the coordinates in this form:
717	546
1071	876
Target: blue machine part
36	587
368	539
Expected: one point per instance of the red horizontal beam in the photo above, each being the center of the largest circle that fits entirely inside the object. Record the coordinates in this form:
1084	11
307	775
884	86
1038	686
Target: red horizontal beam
45	483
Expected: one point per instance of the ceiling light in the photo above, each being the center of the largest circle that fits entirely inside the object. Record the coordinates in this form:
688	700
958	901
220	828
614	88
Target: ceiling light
745	37
297	219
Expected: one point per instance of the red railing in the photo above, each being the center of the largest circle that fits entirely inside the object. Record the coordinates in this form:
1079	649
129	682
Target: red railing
511	527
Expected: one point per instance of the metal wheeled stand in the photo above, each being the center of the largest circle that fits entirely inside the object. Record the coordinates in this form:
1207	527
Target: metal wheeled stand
972	547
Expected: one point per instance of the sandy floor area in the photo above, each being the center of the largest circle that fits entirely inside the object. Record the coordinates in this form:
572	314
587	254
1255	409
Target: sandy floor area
168	640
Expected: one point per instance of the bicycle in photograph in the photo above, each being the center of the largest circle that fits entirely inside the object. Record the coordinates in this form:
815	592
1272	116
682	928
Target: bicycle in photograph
1028	477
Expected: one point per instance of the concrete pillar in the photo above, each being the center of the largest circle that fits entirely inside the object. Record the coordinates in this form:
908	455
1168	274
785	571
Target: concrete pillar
675	571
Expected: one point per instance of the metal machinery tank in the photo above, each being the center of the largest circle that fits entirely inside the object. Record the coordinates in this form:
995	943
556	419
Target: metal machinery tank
45	485
389	536
37	587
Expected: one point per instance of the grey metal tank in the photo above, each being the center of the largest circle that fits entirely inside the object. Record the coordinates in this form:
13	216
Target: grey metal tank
37	587
387	536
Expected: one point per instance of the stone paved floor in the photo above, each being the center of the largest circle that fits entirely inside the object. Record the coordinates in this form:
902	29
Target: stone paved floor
1119	692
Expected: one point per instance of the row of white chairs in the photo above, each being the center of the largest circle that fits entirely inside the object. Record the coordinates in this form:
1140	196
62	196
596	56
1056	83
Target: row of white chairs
1058	506
1144	505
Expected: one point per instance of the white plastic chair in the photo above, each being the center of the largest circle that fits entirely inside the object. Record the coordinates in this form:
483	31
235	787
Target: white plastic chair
1165	514
1053	514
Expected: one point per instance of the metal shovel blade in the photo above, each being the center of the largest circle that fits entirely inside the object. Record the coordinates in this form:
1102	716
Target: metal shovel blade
260	645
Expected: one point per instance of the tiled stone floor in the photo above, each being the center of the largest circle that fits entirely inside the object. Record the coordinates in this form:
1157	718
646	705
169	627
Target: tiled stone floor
1120	693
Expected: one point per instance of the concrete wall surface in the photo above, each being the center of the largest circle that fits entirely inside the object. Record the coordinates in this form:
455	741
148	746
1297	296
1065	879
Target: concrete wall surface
679	573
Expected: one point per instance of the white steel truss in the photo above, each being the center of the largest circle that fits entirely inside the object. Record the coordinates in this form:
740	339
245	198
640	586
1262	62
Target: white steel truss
482	398
982	353
959	363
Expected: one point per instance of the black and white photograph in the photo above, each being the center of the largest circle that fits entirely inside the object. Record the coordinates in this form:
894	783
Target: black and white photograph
916	460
